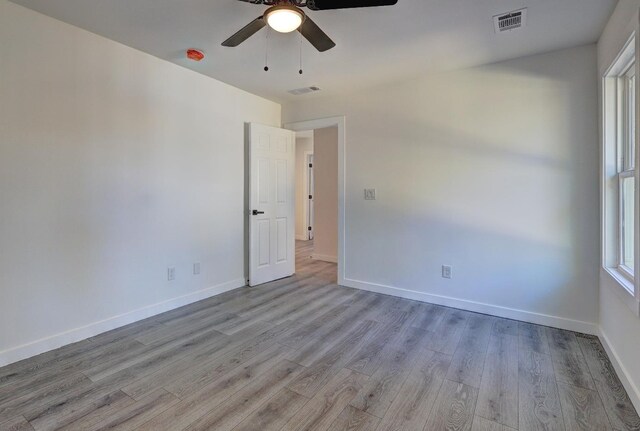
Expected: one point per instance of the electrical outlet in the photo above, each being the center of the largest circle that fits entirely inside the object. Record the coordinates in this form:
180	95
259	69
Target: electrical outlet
196	268
447	271
171	274
369	194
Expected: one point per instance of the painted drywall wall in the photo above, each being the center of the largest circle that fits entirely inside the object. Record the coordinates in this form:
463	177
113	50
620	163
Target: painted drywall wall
114	166
303	147
619	325
325	239
493	170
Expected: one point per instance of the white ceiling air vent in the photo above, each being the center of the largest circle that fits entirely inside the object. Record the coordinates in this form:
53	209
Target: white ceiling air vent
510	21
305	90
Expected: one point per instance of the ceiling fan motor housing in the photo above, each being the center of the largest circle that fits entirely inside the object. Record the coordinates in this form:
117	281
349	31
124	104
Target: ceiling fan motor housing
285	6
286	16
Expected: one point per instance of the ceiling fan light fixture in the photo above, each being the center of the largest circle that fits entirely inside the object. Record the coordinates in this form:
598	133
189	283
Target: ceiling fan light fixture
284	19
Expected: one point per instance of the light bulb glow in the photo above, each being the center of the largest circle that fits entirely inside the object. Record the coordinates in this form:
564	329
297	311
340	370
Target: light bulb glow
284	20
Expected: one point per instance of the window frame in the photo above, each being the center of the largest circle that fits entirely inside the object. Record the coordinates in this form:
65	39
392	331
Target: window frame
616	160
626	150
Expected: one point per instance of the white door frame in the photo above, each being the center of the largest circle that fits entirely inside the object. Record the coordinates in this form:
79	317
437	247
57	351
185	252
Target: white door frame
308	213
322	123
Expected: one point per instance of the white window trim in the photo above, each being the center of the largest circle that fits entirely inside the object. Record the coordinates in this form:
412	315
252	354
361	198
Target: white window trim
627	288
625	170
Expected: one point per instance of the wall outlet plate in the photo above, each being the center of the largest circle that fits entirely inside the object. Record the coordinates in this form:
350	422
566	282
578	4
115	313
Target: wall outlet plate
447	271
171	274
369	194
196	268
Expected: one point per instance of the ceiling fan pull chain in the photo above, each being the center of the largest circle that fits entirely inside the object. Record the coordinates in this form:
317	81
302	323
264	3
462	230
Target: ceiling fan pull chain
300	71
266	54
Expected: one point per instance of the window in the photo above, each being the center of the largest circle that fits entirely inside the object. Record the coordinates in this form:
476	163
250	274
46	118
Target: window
620	171
627	169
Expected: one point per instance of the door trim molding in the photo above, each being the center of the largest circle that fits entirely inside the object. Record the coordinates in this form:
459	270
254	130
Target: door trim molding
321	123
307	192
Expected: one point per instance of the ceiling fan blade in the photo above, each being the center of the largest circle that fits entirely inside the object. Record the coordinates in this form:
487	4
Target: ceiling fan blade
315	35
249	30
347	4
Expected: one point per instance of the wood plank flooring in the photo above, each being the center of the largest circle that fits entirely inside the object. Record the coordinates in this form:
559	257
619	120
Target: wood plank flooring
304	354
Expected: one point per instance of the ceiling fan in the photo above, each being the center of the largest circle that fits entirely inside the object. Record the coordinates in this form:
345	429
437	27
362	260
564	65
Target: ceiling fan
286	16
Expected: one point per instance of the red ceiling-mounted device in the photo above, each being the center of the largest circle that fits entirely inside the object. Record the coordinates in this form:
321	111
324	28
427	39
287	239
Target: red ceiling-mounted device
195	55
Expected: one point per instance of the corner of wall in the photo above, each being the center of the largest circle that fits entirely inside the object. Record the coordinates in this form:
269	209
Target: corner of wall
621	370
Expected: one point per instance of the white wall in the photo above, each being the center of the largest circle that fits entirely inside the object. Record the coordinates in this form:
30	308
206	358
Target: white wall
325	164
493	170
114	165
303	145
619	325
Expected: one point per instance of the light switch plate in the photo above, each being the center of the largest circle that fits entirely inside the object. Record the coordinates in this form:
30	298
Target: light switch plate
196	268
171	274
369	194
447	271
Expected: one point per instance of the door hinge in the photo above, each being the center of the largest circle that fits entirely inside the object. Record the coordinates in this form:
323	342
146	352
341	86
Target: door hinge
310	196
309	228
311	165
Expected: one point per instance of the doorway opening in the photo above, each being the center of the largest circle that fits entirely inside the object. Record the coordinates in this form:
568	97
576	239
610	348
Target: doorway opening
304	185
317	195
337	127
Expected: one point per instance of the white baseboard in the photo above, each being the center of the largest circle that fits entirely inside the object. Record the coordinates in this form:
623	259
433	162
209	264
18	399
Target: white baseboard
34	348
478	307
623	374
302	238
325	258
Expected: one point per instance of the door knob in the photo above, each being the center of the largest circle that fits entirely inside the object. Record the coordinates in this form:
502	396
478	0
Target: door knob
256	212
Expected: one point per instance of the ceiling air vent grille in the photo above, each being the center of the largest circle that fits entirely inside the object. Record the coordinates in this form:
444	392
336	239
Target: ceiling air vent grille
510	21
305	90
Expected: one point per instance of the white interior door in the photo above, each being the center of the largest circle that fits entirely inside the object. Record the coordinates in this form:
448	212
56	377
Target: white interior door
271	204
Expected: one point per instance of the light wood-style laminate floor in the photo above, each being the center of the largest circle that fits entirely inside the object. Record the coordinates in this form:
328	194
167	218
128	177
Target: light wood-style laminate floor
304	354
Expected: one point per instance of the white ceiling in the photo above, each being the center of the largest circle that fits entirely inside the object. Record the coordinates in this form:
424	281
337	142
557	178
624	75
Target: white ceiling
374	45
